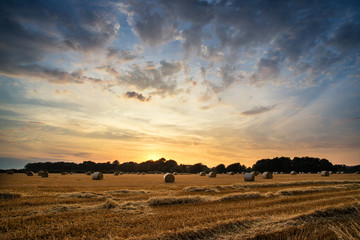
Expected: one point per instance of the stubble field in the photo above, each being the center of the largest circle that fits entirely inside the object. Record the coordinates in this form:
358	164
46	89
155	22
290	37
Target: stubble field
129	206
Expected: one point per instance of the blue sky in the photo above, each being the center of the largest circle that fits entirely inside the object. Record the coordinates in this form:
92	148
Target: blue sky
196	81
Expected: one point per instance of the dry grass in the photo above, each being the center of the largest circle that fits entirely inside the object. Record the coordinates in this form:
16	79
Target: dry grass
144	207
8	195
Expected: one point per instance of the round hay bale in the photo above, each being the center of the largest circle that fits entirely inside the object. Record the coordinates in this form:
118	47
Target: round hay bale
97	176
43	174
231	173
255	173
10	172
116	173
249	177
88	173
63	173
357	172
267	175
331	172
175	173
293	173
325	173
212	174
29	173
202	174
169	178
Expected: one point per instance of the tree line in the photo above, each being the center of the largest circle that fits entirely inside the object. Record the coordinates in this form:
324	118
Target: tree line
300	164
278	164
150	166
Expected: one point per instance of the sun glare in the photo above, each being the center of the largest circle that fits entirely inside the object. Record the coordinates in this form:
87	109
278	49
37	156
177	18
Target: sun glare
153	156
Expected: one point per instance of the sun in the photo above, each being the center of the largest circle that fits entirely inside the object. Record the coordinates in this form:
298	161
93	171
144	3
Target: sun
153	156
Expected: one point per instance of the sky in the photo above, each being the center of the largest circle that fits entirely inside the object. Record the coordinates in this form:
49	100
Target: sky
212	81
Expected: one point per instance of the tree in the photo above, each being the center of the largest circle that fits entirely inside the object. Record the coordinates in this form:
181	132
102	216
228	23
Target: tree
198	167
220	168
235	167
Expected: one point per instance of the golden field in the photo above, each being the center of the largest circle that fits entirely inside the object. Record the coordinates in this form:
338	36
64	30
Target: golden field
129	206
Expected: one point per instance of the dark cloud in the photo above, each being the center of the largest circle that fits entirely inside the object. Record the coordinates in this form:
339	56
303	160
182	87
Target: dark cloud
346	37
304	38
31	29
296	30
137	96
148	23
258	110
76	25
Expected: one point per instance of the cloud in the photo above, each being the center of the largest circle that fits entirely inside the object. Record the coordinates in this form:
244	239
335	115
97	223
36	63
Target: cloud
137	96
258	110
284	42
346	37
159	80
33	30
116	55
152	27
62	92
170	68
54	76
227	31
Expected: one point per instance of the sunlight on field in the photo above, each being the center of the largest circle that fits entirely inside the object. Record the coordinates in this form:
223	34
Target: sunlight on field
144	207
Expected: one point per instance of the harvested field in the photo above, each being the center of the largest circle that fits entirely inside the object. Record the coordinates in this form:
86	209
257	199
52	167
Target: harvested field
305	206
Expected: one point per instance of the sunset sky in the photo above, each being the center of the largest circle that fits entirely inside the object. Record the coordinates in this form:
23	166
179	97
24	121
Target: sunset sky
194	81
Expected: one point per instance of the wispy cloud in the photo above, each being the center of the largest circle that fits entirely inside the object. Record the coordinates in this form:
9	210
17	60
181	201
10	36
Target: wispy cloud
258	110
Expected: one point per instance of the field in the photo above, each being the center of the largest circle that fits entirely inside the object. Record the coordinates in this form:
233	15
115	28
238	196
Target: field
128	206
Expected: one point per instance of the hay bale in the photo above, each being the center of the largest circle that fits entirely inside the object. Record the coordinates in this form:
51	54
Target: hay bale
116	173
63	173
267	175
231	173
43	174
249	177
175	173
293	173
97	176
255	173
10	172
202	174
88	173
357	172
212	174
169	178
29	173
325	173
